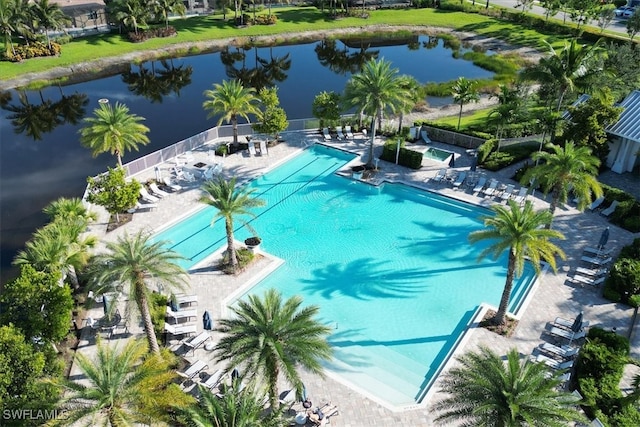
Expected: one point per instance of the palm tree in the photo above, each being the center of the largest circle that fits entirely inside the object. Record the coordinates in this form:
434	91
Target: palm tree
59	248
464	92
114	130
133	261
165	7
235	408
7	24
64	208
375	90
122	387
412	86
267	337
231	99
574	68
564	170
230	202
49	16
486	391
518	230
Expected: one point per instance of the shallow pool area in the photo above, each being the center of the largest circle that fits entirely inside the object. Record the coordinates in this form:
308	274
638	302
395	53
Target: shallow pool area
434	153
390	267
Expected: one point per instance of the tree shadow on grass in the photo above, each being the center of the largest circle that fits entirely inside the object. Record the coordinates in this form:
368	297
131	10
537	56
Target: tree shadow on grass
303	15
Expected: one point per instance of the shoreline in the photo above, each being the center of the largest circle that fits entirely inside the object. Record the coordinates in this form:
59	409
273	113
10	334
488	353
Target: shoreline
91	70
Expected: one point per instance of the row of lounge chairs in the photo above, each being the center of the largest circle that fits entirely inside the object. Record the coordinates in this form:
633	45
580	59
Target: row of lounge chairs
262	147
491	188
606	212
181	310
596	273
340	134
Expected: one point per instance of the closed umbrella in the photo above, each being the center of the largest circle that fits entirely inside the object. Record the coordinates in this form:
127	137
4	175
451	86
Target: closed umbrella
158	174
604	238
474	164
452	162
207	323
577	323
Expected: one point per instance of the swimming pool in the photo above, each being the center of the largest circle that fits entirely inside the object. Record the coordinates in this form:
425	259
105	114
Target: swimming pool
437	154
390	267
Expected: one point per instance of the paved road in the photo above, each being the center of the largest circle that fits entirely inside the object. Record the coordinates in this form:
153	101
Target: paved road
618	25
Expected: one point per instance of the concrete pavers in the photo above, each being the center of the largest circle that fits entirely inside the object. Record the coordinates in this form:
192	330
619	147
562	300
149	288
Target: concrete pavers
552	297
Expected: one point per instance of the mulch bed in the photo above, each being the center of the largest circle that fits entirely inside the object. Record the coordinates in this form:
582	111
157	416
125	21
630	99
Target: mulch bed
124	218
506	330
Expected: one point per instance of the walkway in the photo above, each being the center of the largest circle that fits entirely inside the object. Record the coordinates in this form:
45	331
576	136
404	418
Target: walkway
552	297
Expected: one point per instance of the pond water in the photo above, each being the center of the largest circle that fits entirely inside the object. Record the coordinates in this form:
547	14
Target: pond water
41	158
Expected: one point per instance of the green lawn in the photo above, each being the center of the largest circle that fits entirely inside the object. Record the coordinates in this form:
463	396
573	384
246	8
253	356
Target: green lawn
290	20
476	118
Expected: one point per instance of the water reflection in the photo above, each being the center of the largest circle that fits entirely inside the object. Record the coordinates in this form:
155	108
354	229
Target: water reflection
154	84
264	73
341	60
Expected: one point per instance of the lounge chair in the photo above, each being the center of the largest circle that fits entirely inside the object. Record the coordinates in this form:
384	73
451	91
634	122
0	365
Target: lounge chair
289	398
252	148
596	261
608	211
328	412
170	184
143	207
326	134
364	133
425	137
593	272
188	176
599	252
183	299
339	132
508	192
197	341
177	172
521	196
440	175
567	323
480	184
564	352
213	380
565	333
183	329
491	188
596	203
263	148
156	191
194	369
144	194
587	280
460	179
553	363
181	314
347	132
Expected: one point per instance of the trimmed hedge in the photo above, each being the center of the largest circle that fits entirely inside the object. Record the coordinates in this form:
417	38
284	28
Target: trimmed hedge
623	283
34	50
476	134
151	33
627	214
409	158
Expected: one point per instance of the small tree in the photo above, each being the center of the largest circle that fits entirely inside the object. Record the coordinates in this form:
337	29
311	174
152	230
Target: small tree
326	107
605	17
551	7
633	25
584	10
113	192
524	4
464	92
272	119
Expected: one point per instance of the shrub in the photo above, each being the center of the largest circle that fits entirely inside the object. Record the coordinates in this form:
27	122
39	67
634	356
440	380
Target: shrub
631	251
627	214
252	241
34	50
245	256
406	157
221	150
158	308
264	20
152	33
625	278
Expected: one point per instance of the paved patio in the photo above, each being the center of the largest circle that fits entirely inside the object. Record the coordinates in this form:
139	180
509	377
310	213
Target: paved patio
552	296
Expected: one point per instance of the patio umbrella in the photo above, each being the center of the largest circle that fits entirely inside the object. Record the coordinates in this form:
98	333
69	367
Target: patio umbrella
158	174
207	323
452	162
577	323
604	238
105	304
474	163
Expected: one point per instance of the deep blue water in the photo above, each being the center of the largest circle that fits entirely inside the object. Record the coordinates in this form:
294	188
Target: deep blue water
35	172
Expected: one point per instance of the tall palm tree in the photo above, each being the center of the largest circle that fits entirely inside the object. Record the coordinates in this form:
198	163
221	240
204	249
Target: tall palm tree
519	231
113	129
230	99
375	90
267	337
59	248
132	261
230	202
574	68
7	24
49	16
412	86
166	7
464	92
564	170
123	387
486	391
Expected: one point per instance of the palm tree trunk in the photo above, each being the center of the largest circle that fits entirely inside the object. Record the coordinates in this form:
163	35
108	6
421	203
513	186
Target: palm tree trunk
234	123
73	277
231	250
460	115
400	118
373	138
145	313
506	293
555	201
119	157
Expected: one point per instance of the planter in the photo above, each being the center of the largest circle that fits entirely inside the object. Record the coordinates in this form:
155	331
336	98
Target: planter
253	243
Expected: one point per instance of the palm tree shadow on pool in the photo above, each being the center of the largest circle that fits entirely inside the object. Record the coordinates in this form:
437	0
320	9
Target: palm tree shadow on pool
366	278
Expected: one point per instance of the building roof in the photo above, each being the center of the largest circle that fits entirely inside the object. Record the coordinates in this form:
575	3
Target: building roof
628	126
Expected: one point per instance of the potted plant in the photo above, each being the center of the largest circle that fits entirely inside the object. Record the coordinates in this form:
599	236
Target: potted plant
252	242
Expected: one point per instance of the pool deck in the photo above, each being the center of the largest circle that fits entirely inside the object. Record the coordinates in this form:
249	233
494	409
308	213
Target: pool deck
553	296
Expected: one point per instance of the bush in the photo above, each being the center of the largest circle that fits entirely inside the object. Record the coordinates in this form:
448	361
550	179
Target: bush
631	251
409	158
222	150
158	308
627	214
245	256
625	278
34	50
264	20
151	33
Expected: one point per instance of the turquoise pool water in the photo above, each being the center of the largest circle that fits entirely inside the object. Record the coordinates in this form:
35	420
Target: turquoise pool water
391	268
437	154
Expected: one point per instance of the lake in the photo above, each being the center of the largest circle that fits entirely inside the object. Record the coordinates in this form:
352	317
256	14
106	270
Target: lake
41	158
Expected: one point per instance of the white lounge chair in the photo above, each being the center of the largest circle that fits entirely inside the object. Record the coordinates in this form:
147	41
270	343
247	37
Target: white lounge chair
596	203
194	369
508	192
567	323
480	184
177	171
213	380
588	280
197	341
553	363
263	148
440	175
596	261
339	132
170	184
183	299
599	252
144	194
425	137
289	398
156	191
144	207
326	134
565	333
181	314
608	211
188	176
593	272
348	133
565	351
252	148
183	329
460	179
521	196
491	188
